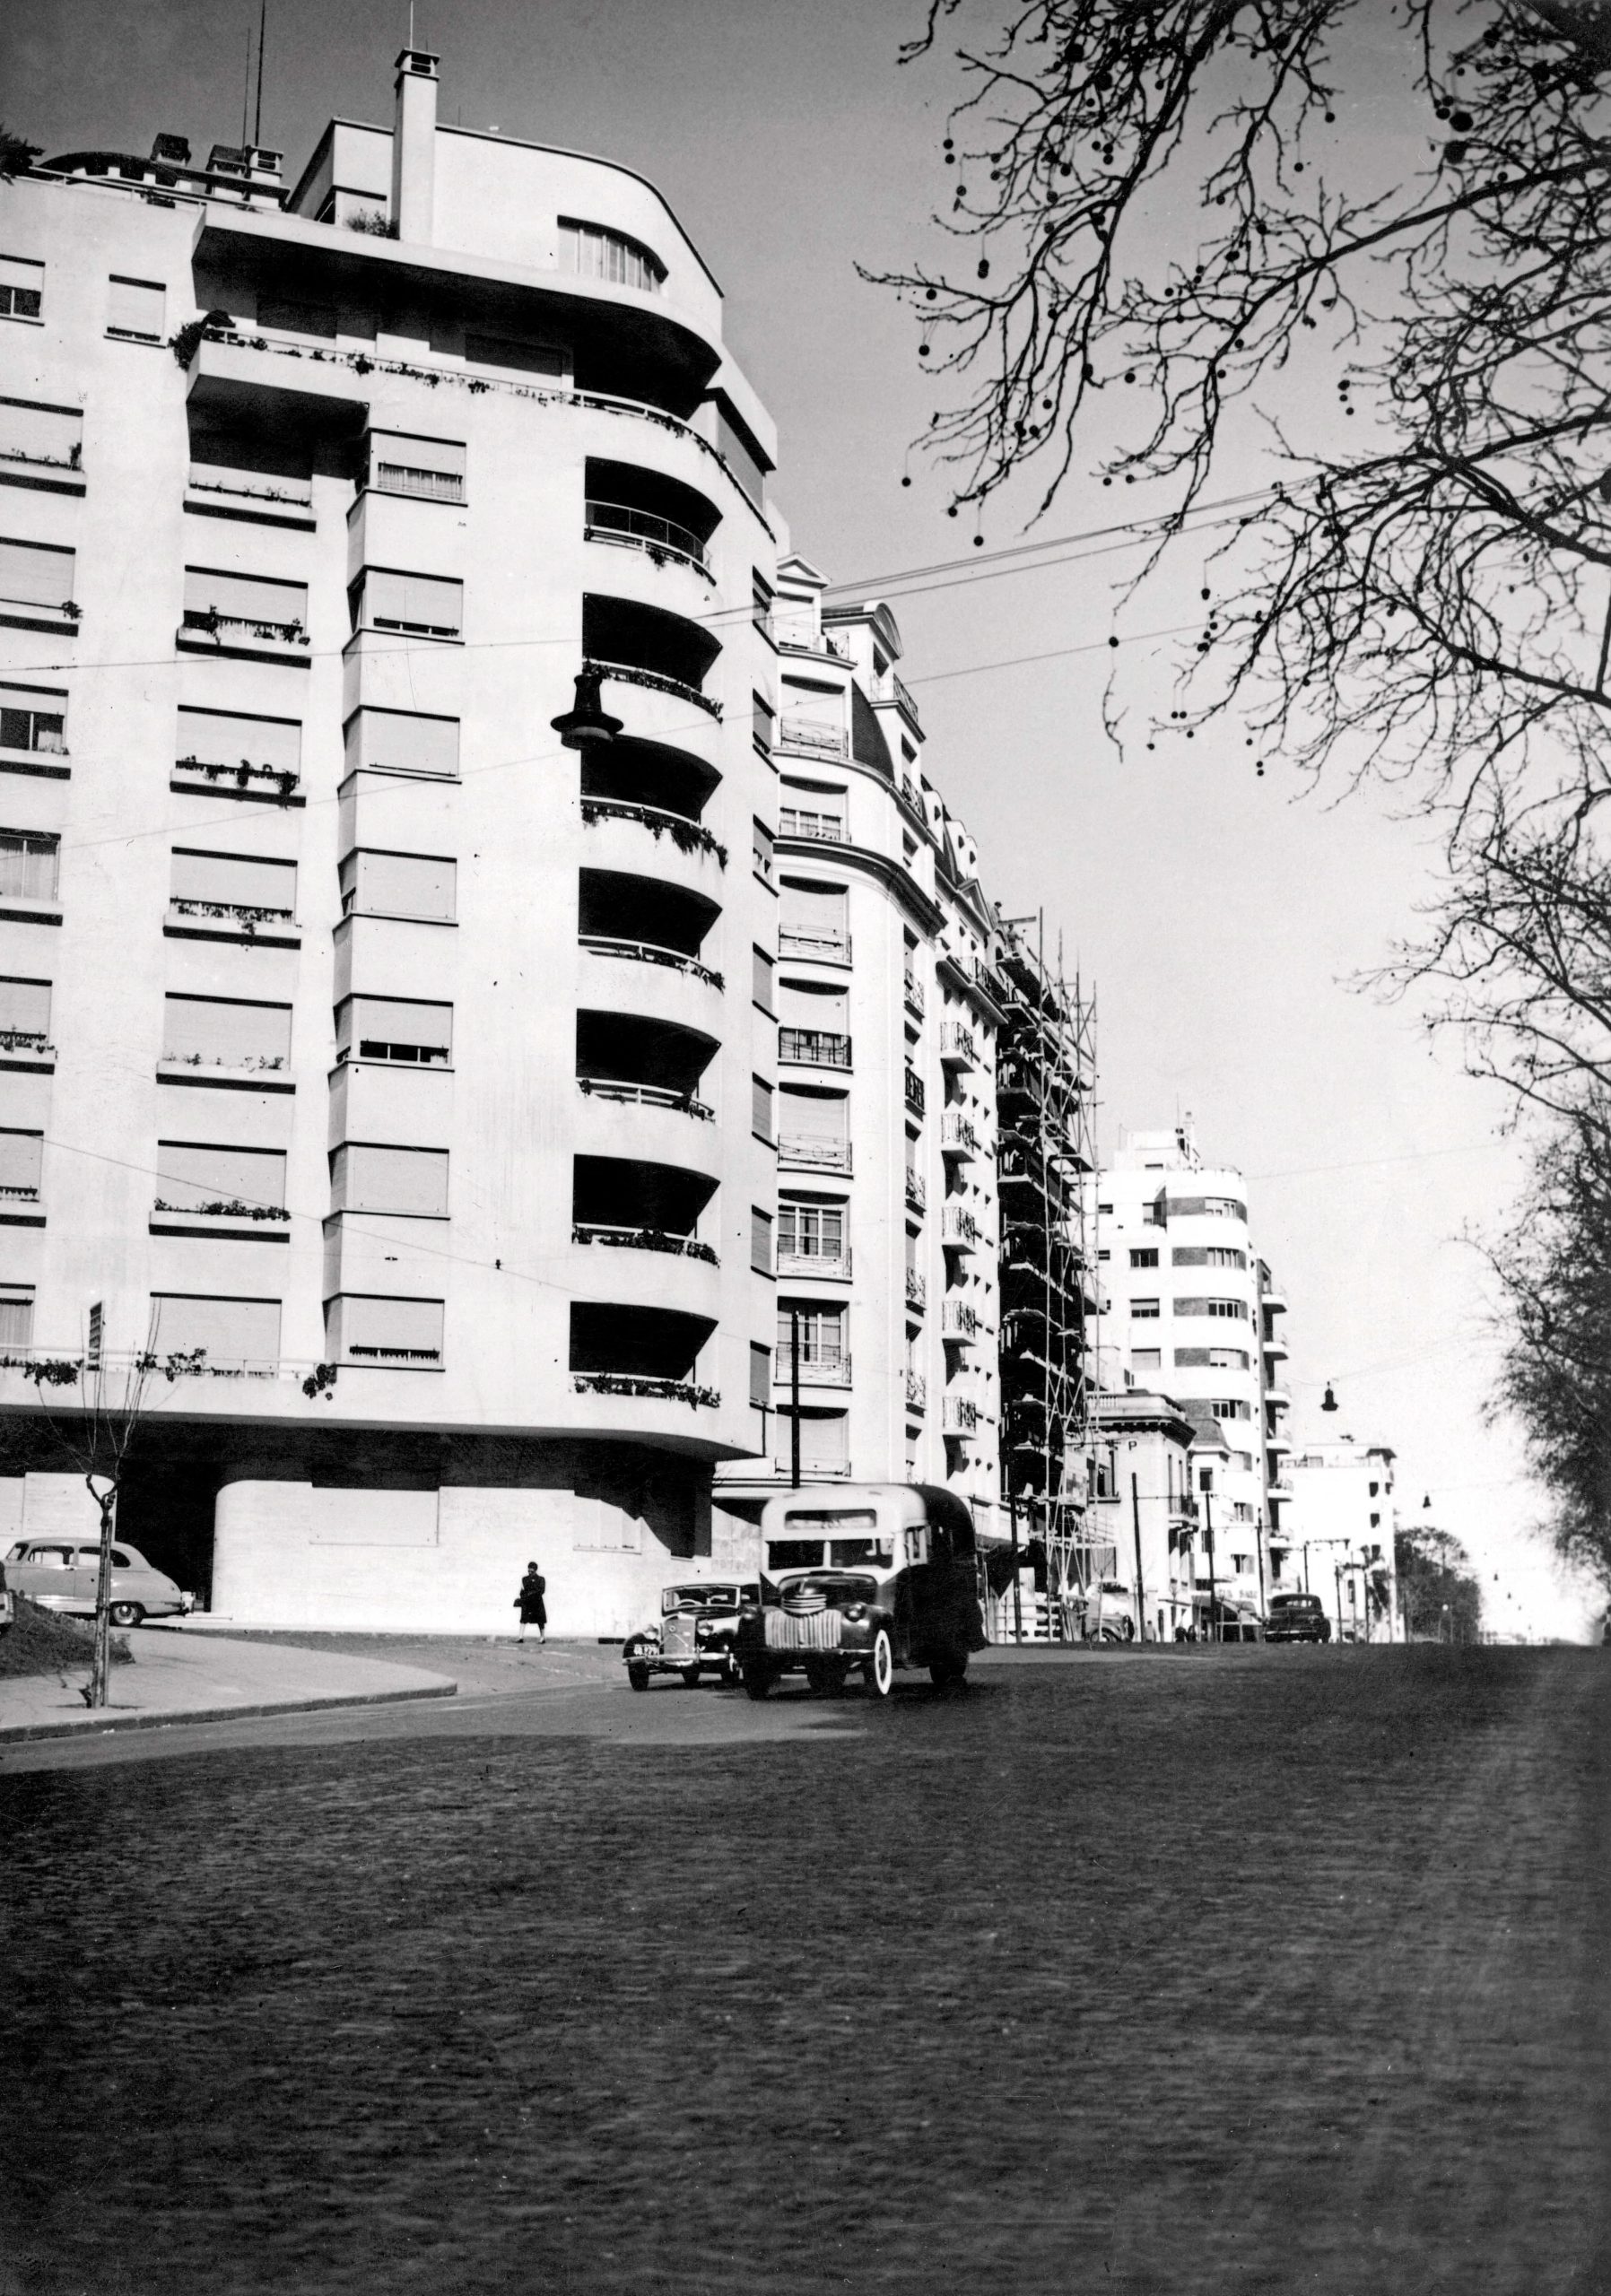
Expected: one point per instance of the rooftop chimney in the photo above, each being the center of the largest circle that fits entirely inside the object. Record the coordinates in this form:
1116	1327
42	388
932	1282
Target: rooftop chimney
413	146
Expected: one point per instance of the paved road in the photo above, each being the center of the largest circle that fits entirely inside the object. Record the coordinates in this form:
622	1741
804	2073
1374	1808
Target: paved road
1201	1972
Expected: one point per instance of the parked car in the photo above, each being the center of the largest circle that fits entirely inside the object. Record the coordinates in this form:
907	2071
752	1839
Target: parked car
698	1621
1297	1618
60	1575
8	1605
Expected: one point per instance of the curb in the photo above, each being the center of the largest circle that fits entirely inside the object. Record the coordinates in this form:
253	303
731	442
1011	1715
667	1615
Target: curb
18	1734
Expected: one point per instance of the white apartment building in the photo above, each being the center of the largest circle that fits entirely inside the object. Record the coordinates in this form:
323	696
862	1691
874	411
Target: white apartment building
1337	1537
349	1018
1193	1311
887	1319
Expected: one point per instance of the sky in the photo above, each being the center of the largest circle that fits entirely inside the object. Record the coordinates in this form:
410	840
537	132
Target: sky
1219	919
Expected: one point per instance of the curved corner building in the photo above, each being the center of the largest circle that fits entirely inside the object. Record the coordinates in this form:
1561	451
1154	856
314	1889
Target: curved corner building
353	1029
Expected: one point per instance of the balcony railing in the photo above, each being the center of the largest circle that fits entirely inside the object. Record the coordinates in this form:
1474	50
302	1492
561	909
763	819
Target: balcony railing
959	1320
628	673
959	1047
796	636
917	1190
279	781
819	1367
835	1265
814	736
810	1152
19	1191
250	486
814	1470
660	538
25	1040
642	1239
959	1414
913	989
916	1097
640	1383
957	1136
916	1288
648	1096
244	916
211	623
916	1391
816	829
647	953
801	941
814	1047
959	1229
688	836
903	696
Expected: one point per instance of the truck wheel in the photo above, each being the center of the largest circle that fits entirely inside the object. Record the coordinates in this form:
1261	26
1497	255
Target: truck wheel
949	1673
690	1677
732	1674
757	1681
125	1614
638	1676
881	1666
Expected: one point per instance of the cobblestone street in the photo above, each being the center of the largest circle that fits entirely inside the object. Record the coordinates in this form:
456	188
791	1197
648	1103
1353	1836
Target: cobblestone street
1237	1970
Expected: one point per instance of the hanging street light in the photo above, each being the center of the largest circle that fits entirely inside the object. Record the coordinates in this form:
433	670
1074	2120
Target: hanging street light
1328	1402
587	721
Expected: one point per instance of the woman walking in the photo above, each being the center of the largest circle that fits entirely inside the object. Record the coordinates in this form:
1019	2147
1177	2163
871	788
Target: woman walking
529	1603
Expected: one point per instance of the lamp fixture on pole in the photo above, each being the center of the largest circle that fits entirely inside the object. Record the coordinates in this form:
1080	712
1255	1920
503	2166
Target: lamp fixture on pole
1328	1401
587	721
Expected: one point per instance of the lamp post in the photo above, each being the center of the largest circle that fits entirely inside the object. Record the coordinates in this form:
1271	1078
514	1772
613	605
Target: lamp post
1135	1530
1214	1633
793	1398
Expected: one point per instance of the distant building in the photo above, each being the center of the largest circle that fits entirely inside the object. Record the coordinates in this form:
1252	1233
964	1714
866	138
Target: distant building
1192	1312
1336	1539
1145	1501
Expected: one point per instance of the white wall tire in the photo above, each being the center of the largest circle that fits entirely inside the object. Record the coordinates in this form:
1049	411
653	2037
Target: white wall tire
881	1665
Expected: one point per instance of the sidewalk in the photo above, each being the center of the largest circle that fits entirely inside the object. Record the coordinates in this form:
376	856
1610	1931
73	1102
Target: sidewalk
207	1678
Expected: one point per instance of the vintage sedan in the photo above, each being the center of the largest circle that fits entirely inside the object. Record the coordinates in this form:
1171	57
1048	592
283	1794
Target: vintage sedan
1297	1618
879	1576
61	1575
698	1622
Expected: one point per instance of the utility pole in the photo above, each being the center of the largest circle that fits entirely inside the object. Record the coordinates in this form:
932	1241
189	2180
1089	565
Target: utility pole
1214	1633
793	1398
1017	1590
1140	1589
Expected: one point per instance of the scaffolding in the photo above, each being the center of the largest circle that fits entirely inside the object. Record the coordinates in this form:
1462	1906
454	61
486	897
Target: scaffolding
1046	1099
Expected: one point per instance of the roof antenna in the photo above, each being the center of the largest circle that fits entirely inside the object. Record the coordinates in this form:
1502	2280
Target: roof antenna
262	28
246	83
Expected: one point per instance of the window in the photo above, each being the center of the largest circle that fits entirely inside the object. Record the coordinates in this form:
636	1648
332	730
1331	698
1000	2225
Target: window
817	1231
1375	1487
431	469
760	1240
21	1155
760	1377
1227	1407
1207	1256
1376	1522
406	1031
821	817
21	288
760	723
33	433
816	1125
1104	1254
1228	1310
761	1109
16	1316
225	1032
1215	1207
135	309
33	718
29	863
244	601
824	1441
761	600
523	358
36	574
232	885
420	885
1145	1310
760	988
402	740
296	319
822	1329
1210	1359
1145	1358
405	1180
361	1329
24	1013
421	605
813	920
228	737
1104	1207
198	1176
1148	1259
230	1332
760	850
591	252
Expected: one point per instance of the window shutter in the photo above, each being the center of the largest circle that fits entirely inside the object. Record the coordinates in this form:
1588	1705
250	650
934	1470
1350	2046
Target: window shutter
824	1441
234	879
400	451
760	1240
399	885
761	989
21	1154
29	864
218	1032
525	358
135	306
191	1174
761	1374
230	1331
18	272
416	602
16	1316
227	737
24	1008
395	740
401	1330
816	1115
760	1108
40	434
370	1179
812	909
810	1008
36	574
245	597
393	1027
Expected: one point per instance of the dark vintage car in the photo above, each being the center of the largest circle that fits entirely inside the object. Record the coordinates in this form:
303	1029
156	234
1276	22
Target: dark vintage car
1297	1618
882	1575
698	1621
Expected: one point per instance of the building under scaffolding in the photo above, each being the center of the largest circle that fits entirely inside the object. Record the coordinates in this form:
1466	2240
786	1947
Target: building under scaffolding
1045	1082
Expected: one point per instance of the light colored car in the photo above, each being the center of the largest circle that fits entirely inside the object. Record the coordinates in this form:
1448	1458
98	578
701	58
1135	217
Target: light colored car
8	1602
60	1574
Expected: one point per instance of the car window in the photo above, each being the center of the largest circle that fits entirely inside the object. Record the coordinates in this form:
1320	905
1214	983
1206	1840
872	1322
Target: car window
91	1554
60	1557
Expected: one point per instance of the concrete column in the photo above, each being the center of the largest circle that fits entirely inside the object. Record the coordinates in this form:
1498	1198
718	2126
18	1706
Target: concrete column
414	147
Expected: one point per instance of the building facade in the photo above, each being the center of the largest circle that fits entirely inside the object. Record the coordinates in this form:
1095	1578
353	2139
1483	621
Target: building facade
357	1033
1194	1312
1337	1539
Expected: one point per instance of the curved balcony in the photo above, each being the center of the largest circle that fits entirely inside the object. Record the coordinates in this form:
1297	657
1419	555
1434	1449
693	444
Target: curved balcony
623	917
622	1348
616	978
664	523
630	838
645	1268
633	643
629	772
